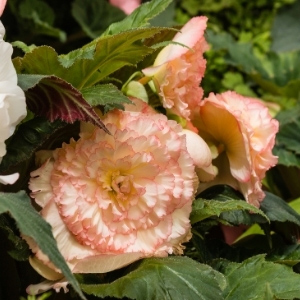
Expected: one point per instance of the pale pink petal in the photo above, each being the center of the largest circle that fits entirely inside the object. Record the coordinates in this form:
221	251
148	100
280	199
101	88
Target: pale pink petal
40	184
106	262
207	173
128	6
35	289
189	36
44	270
198	149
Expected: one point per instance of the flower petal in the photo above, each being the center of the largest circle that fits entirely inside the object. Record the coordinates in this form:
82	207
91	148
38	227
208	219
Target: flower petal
9	179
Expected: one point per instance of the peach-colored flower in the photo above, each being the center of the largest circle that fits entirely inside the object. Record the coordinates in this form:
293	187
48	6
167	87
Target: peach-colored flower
178	70
112	199
2	6
241	133
128	6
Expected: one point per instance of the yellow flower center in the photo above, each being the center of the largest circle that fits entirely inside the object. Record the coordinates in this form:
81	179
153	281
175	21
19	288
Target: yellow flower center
120	185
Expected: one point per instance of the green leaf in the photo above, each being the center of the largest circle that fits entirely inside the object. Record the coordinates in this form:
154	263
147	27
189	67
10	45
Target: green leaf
110	54
278	210
20	250
21	147
165	18
234	81
282	68
276	73
95	16
203	209
240	54
33	225
255	278
295	204
171	278
107	95
42	16
25	48
287	145
288	255
87	52
231	214
286	157
54	98
40	7
140	17
27	139
285	29
26	82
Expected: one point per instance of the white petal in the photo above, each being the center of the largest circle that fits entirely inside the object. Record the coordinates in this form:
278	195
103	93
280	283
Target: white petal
198	149
106	262
9	179
46	285
44	270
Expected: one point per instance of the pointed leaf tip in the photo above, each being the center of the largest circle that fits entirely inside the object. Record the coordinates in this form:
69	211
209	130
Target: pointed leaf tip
54	98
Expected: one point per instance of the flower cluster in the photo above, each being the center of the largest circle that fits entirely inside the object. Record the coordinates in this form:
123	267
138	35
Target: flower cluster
239	130
112	199
129	194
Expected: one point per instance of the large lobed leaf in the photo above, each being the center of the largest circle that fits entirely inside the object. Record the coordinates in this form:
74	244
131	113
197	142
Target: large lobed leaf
33	225
82	69
171	278
256	278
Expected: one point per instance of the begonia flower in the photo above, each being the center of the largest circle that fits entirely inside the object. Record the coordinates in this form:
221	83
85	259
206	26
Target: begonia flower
113	199
179	69
241	134
128	6
12	99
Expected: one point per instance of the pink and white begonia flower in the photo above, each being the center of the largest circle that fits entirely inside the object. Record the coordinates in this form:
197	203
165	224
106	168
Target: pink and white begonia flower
113	199
128	6
12	100
241	134
179	69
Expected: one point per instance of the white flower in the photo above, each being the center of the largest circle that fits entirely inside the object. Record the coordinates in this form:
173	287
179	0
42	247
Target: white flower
12	100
